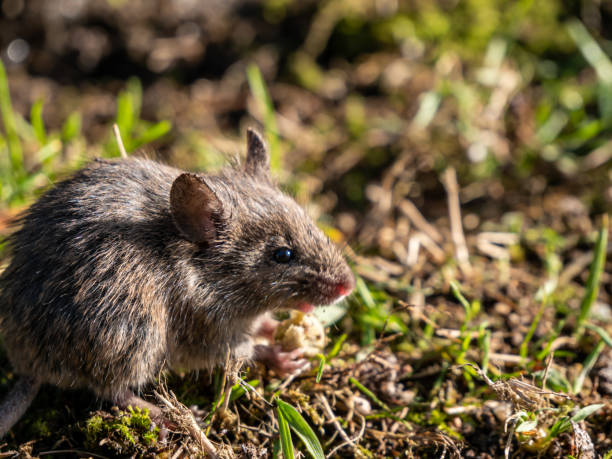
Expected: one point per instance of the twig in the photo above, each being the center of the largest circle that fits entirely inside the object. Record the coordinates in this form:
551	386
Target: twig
229	377
352	442
72	451
507	358
576	267
119	141
182	416
432	247
500	237
508	445
492	250
452	333
449	180
495	244
597	157
251	390
417	219
548	365
521	394
258	430
178	452
332	418
457	410
413	251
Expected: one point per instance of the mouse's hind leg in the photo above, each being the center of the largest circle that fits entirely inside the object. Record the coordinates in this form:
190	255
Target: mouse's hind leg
127	398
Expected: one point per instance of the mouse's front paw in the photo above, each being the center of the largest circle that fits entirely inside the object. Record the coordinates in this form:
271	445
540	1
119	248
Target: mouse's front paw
266	327
283	363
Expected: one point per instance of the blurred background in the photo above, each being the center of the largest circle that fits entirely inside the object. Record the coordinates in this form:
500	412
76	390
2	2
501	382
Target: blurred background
372	98
381	115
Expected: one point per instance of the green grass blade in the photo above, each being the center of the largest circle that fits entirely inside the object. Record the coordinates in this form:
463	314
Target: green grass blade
587	366
430	102
591	50
604	100
598	59
37	122
364	293
276	449
238	390
261	95
602	333
369	393
49	151
218	386
71	127
597	266
585	412
534	325
322	362
285	434
125	117
456	289
24	129
565	422
134	89
550	340
556	381
559	427
301	428
335	350
485	344
8	119
129	104
151	134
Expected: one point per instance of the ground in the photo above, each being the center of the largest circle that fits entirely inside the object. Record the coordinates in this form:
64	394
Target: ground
458	151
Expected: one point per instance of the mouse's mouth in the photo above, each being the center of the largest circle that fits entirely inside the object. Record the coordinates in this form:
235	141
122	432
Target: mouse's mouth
327	293
305	307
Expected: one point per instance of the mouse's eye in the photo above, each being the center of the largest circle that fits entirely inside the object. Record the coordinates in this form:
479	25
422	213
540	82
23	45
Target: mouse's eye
283	255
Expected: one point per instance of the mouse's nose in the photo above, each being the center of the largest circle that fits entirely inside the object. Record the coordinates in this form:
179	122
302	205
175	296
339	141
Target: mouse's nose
342	289
345	287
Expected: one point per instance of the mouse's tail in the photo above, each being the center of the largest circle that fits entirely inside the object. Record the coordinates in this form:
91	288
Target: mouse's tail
17	402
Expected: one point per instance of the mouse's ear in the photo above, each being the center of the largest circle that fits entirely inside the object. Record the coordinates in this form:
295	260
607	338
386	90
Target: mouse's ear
194	207
257	159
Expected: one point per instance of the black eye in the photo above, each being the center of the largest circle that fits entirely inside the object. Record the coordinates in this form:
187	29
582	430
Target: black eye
283	255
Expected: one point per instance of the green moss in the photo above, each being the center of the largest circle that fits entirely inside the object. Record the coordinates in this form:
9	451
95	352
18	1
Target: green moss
150	438
41	428
124	433
94	428
139	419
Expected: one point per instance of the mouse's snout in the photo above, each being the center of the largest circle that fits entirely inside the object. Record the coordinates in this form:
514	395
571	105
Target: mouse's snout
336	287
341	289
345	286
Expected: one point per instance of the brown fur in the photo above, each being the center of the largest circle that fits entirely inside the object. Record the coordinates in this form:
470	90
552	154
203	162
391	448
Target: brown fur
116	273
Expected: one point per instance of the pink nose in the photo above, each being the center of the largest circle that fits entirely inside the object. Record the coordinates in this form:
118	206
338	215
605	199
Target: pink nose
343	289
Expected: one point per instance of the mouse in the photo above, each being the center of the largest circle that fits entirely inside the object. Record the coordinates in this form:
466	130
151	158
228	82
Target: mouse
130	267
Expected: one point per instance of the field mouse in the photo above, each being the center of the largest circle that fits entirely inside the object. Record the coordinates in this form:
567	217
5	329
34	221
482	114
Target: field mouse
131	266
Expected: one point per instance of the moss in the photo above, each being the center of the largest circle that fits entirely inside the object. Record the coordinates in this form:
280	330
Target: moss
139	419
94	428
41	428
123	433
150	438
